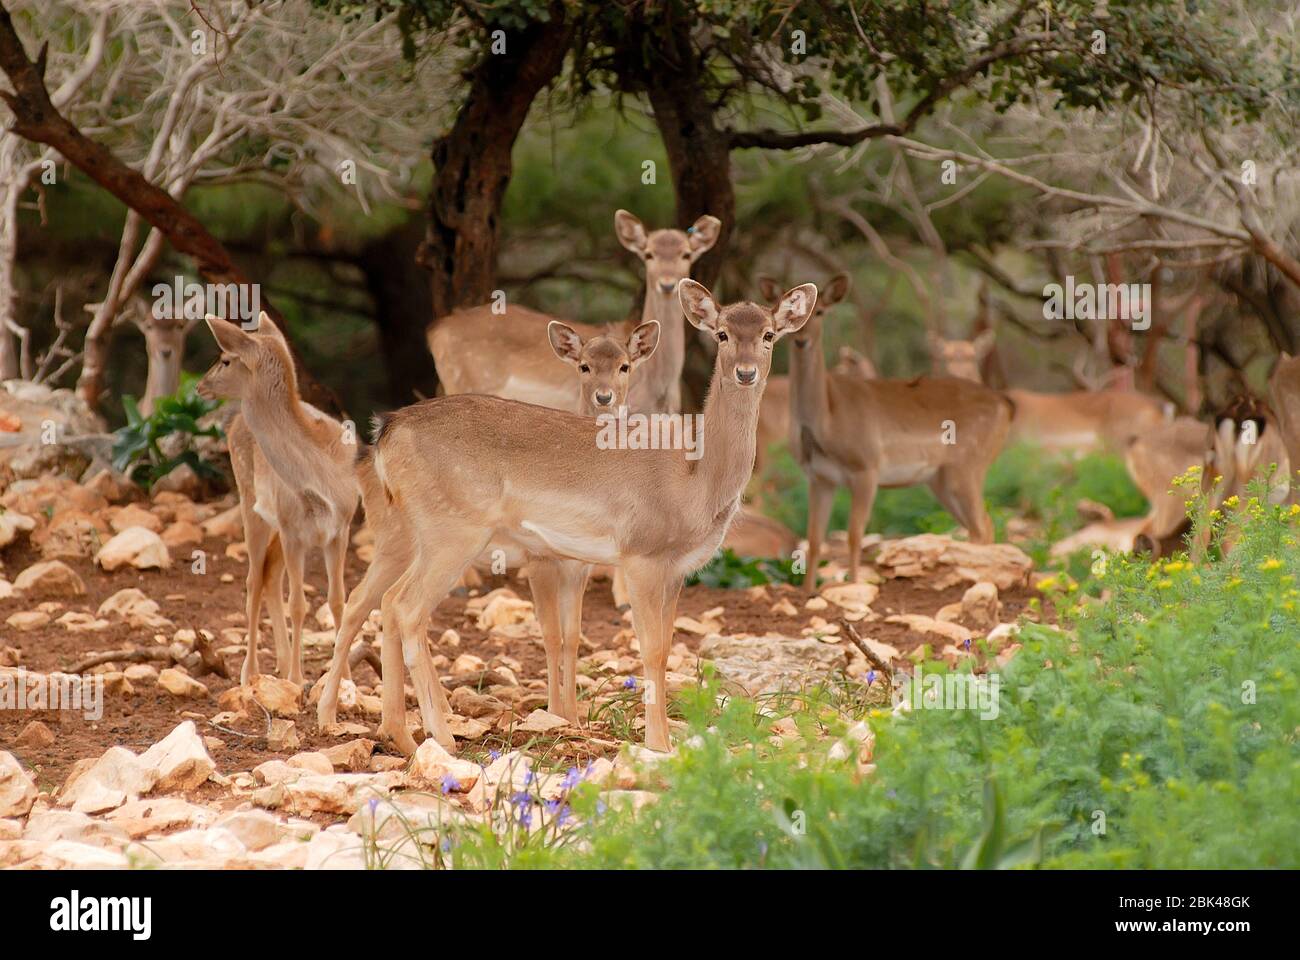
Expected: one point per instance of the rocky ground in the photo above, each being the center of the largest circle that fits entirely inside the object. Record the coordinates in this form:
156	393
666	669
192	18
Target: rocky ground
185	768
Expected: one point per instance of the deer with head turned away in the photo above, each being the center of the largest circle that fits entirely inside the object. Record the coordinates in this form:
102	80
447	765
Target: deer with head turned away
462	471
506	354
867	434
605	365
1078	421
293	470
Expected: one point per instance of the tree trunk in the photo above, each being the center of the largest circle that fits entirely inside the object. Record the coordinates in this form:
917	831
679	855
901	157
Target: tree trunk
699	159
403	304
9	368
472	163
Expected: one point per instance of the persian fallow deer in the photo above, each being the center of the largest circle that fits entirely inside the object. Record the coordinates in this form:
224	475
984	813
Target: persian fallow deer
1284	391
507	355
463	470
1249	446
867	434
774	414
293	469
605	366
1079	421
1157	457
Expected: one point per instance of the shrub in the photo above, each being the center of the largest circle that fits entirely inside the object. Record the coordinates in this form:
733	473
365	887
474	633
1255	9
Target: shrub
138	446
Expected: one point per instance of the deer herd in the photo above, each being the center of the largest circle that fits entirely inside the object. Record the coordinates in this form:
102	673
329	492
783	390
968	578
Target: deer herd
507	460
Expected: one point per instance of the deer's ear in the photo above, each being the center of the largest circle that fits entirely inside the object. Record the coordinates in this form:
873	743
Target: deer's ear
564	341
230	338
768	290
703	234
267	328
839	289
698	304
630	231
643	341
983	344
795	308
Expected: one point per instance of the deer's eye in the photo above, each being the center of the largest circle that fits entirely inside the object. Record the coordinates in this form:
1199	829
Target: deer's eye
225	361
686	256
722	336
624	369
768	336
649	256
584	368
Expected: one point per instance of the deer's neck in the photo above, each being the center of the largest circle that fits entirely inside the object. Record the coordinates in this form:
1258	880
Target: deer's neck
294	444
655	385
730	437
809	403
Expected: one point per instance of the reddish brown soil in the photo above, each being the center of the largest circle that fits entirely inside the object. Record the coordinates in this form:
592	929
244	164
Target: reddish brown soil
205	602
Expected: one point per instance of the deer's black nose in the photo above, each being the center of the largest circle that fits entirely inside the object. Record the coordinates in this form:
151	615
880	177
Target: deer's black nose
746	375
604	398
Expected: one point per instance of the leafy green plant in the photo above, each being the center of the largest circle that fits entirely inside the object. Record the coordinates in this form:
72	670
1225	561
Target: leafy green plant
137	447
729	571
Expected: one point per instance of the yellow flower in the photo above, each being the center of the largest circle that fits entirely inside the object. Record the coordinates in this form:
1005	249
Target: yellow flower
1046	583
1272	563
1232	501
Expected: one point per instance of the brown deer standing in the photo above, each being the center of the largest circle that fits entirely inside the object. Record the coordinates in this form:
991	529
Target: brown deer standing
505	354
867	434
293	470
462	470
605	366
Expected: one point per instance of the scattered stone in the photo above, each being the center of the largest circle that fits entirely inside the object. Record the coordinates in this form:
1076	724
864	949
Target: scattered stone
137	546
77	622
980	606
468	703
12	524
280	697
17	791
34	736
228	524
110	781
135	608
179	761
466	728
282	735
180	684
133	515
50	578
945	562
28	620
338	792
140	672
314	761
539	721
51	825
432	766
353	756
182	533
855	599
773	662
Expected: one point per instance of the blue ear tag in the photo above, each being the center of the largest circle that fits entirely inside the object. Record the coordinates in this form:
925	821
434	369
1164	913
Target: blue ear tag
690	229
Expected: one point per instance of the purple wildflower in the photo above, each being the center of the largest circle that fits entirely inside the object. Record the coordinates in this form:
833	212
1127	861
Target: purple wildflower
629	683
449	783
871	677
571	779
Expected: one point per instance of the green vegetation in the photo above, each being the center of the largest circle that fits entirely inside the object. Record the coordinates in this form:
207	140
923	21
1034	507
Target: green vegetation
1155	730
138	447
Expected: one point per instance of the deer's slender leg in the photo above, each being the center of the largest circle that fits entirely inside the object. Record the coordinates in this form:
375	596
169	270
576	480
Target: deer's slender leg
653	589
366	596
544	581
295	561
863	490
821	494
336	556
258	537
441	556
573	584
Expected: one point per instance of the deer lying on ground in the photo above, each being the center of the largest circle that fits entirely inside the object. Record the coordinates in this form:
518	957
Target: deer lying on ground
293	471
1079	421
867	434
460	471
477	350
605	366
1244	445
